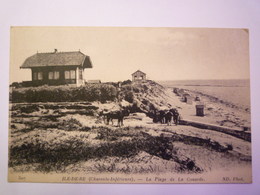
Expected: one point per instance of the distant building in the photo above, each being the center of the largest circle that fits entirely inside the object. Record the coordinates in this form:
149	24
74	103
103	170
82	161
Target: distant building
187	98
57	68
94	81
138	76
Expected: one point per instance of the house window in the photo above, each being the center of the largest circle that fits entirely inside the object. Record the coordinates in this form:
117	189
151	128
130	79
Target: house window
54	75
37	76
67	74
70	74
50	76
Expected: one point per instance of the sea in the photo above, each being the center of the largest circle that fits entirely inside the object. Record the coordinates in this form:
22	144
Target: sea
236	92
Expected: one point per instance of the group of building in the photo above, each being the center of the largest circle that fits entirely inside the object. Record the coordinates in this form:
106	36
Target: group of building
61	68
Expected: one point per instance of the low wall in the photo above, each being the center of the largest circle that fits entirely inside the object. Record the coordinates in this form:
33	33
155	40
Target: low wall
230	131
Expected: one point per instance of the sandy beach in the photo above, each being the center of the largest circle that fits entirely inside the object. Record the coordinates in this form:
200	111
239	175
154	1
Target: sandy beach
215	112
72	137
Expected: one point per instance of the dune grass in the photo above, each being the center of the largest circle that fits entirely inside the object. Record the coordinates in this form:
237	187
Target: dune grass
45	139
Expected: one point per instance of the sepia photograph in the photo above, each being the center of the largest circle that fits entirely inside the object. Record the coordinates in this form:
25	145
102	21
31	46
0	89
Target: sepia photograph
129	105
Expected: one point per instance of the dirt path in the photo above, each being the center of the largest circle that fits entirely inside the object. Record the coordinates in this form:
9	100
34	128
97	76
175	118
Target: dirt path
239	145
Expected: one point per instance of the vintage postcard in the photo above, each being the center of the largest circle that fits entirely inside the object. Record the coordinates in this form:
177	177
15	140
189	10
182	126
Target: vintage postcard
129	105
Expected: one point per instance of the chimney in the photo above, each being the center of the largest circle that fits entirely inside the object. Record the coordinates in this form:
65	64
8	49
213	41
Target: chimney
55	51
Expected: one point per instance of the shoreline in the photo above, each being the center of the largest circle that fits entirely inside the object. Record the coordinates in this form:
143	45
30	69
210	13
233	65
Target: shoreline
220	101
216	113
233	92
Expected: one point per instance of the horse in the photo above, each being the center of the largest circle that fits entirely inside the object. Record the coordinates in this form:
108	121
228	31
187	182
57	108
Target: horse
159	116
119	115
162	114
166	116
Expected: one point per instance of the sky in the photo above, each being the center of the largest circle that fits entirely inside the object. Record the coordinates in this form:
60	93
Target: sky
117	52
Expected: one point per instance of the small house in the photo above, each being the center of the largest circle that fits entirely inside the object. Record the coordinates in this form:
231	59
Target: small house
175	90
199	110
187	98
138	76
94	81
180	92
57	68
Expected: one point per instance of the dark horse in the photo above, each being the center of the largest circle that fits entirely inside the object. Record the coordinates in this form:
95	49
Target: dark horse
159	116
168	117
119	115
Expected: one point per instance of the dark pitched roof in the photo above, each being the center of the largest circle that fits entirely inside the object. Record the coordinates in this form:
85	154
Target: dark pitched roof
75	58
138	71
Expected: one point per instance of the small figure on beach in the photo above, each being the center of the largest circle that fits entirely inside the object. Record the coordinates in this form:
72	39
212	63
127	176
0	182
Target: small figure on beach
176	116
